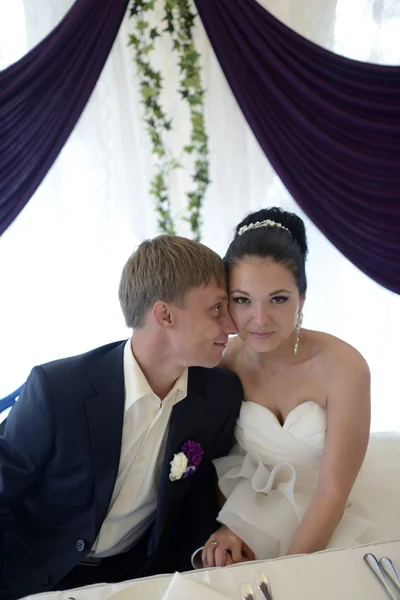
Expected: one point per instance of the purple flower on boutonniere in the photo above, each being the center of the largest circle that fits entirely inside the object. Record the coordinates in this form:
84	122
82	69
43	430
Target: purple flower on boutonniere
187	461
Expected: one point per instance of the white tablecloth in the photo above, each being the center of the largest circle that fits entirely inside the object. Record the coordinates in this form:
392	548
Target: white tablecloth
328	575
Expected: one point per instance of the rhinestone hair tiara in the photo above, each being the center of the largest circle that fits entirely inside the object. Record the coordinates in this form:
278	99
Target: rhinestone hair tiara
266	223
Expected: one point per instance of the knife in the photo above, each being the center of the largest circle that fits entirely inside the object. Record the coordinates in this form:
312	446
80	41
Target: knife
373	564
263	585
390	571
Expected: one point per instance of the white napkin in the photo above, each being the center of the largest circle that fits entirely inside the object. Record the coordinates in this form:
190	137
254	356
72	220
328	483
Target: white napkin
183	588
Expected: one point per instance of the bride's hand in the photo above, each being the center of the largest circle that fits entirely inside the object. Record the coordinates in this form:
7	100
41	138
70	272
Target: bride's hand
225	548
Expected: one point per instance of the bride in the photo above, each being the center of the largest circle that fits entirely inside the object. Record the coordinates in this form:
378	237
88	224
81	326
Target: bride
300	478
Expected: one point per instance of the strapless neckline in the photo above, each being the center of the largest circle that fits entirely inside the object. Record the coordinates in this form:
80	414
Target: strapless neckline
290	414
271	474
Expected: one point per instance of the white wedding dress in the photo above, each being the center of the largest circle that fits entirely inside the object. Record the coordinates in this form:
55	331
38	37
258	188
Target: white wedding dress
271	474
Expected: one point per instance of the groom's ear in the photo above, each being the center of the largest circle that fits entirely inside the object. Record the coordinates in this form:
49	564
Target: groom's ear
163	314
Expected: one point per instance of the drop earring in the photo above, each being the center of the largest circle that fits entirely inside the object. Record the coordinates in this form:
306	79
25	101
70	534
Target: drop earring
298	328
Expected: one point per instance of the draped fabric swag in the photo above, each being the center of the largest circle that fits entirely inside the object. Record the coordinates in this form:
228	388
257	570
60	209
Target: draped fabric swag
330	127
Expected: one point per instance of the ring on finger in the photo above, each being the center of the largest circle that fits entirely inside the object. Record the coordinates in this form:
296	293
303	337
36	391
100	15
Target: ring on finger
213	543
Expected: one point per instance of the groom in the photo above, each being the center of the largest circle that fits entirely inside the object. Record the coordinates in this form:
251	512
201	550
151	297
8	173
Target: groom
87	490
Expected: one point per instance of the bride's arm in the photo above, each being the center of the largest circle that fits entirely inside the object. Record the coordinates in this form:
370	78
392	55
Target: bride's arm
348	422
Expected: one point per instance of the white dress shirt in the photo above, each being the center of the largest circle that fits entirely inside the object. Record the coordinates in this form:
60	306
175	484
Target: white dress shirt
134	500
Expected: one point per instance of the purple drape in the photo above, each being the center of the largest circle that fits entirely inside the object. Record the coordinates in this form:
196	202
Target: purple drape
330	127
43	95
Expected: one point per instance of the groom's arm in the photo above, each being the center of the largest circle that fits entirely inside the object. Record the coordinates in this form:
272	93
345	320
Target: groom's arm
202	507
199	520
26	442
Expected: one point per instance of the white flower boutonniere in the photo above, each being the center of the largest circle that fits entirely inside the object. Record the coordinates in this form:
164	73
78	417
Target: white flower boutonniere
178	466
187	461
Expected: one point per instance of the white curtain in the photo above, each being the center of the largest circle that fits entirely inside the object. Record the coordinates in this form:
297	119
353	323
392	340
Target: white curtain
61	260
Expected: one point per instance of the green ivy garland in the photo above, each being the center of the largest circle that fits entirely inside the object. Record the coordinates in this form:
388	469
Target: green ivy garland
179	22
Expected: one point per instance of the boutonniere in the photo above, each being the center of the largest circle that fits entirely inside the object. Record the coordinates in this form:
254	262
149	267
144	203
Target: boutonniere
186	461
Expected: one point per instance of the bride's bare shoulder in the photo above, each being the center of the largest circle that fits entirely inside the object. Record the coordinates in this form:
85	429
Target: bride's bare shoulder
333	352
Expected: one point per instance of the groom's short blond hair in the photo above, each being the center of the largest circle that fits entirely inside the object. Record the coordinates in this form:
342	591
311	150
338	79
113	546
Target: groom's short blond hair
166	268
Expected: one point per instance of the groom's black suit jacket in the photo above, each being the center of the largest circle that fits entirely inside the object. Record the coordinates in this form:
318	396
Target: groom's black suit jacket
59	456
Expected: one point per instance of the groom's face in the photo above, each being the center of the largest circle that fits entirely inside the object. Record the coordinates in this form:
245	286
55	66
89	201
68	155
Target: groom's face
200	334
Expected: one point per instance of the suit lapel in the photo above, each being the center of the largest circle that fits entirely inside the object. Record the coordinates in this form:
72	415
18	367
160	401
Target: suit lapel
105	413
187	423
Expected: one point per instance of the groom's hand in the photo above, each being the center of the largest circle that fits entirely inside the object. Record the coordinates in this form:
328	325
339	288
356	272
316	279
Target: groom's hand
225	548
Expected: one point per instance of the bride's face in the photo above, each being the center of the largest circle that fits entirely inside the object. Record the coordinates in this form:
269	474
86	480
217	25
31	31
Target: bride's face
264	302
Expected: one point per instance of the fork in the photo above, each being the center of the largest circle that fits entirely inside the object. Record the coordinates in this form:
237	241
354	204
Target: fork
247	592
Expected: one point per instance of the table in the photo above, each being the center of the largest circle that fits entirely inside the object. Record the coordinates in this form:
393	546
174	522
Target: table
328	575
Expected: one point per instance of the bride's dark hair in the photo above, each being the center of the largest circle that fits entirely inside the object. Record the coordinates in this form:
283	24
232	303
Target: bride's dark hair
286	245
